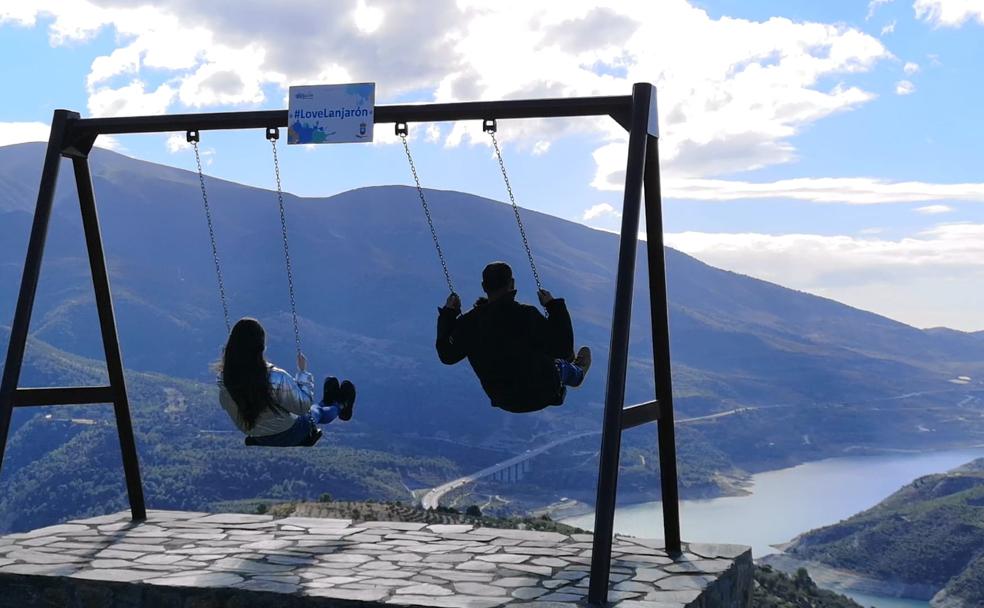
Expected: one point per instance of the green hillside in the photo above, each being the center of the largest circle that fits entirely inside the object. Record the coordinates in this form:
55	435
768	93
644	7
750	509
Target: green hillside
931	532
775	589
63	462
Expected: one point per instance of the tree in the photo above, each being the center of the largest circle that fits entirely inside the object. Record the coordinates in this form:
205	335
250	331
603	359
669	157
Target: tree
473	511
326	497
802	579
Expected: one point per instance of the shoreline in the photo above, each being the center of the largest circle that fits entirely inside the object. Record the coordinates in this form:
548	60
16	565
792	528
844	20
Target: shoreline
844	581
802	493
733	486
573	507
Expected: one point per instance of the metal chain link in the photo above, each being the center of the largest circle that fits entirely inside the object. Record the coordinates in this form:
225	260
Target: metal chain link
430	221
512	199
283	226
211	237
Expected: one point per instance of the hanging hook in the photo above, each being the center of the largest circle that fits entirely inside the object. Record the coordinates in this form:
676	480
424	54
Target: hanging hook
401	129
192	136
488	125
272	133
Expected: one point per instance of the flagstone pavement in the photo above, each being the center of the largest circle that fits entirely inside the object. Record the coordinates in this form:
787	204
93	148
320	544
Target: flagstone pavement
296	561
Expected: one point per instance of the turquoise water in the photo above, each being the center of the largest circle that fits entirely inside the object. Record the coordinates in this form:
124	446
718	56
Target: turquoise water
791	501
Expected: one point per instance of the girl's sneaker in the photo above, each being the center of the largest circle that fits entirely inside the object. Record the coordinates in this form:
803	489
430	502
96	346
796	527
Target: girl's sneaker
347	400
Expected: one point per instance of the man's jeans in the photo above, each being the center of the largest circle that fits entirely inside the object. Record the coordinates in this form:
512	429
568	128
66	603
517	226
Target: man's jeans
570	374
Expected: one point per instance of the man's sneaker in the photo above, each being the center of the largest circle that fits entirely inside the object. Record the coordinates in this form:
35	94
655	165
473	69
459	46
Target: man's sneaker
331	392
583	359
347	400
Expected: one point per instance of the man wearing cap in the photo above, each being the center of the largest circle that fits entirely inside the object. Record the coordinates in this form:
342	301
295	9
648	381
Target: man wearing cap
525	361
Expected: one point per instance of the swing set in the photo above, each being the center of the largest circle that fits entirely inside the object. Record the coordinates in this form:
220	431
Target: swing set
73	137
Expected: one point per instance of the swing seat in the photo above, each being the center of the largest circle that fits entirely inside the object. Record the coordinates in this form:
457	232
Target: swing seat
530	407
312	439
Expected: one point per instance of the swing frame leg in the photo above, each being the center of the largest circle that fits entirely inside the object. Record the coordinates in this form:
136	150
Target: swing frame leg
11	396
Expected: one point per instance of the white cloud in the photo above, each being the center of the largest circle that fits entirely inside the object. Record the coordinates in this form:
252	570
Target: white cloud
905	278
910	67
811	257
225	79
432	132
176	143
949	13
367	18
600	210
19	13
130	100
731	106
888	28
23	132
850	190
934	209
873	5
904	87
71	21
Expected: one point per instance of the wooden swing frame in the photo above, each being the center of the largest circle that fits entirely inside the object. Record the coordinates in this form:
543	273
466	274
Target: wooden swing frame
72	137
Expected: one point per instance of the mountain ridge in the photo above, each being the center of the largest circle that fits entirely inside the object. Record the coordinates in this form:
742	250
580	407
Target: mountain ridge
800	377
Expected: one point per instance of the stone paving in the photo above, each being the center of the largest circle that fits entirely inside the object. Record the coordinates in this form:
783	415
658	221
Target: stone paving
375	562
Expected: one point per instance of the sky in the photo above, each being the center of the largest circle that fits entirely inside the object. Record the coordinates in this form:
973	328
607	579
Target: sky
832	147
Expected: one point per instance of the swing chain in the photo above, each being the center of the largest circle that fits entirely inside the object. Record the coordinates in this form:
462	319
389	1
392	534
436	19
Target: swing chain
273	134
401	130
489	126
193	137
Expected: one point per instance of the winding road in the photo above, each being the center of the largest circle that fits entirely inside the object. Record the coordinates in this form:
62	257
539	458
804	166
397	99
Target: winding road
433	497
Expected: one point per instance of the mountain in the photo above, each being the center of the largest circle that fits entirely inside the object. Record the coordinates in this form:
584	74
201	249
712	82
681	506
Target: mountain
793	376
927	538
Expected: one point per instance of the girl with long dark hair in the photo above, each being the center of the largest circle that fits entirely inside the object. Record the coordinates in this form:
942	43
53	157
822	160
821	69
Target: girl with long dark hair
272	407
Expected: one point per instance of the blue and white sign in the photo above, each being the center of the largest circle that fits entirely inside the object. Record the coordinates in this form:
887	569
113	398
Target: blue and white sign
331	113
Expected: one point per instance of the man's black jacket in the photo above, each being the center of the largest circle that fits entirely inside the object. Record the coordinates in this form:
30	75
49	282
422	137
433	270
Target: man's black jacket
511	347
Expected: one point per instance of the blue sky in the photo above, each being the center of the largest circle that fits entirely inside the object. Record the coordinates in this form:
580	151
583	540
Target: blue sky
832	147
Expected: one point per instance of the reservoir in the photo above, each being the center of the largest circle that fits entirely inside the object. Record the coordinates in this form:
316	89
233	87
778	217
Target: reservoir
788	502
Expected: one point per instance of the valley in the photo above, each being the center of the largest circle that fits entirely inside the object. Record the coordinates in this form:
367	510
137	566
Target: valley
764	377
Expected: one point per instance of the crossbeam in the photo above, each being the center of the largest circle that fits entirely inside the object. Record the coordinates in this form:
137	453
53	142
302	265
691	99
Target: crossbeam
641	413
617	107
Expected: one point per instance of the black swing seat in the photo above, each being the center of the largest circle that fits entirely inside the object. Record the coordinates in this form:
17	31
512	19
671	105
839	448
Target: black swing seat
312	439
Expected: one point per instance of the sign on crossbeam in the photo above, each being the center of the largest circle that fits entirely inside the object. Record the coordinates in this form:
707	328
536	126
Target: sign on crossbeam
331	113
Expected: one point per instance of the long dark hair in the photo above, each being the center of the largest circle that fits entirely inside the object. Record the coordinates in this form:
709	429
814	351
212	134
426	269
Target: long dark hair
244	370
